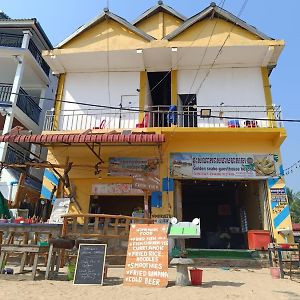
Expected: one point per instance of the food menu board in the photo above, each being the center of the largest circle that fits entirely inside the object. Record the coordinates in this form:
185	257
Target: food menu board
90	264
147	256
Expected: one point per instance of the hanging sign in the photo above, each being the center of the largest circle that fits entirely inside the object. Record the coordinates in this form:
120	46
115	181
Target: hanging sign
223	165
130	166
151	184
147	256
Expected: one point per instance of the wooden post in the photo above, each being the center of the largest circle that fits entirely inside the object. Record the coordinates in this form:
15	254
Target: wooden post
146	204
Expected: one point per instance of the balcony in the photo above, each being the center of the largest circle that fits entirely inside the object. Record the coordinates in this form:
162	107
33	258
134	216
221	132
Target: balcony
14	156
24	102
164	116
15	41
11	40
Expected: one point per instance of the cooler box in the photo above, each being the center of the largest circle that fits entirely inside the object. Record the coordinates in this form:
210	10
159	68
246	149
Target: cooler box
258	239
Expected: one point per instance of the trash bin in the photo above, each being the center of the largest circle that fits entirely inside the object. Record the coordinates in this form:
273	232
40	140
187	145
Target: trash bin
258	239
196	276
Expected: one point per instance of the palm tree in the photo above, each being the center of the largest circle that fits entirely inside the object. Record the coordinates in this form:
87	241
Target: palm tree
294	201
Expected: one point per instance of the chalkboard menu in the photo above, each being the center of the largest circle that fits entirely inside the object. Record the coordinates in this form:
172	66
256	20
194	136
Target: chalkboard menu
147	256
90	264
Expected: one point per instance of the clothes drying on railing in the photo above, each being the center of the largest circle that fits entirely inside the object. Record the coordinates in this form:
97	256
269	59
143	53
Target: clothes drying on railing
145	121
172	115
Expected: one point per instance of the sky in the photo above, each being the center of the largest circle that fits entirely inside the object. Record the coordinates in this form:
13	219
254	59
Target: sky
276	18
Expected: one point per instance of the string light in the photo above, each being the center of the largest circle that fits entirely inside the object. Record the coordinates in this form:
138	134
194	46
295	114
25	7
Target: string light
292	168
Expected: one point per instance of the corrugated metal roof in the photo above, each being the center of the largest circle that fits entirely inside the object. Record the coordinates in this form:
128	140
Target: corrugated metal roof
31	23
136	138
107	14
220	13
158	8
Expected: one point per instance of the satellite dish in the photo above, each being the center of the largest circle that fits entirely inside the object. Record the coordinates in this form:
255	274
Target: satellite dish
196	221
173	221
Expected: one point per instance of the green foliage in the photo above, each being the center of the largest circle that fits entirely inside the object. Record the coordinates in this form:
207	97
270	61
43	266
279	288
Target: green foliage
294	201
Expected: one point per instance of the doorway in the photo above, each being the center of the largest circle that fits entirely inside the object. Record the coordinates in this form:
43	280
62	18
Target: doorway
160	91
227	210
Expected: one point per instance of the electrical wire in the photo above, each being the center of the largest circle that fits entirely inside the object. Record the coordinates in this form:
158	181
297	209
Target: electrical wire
221	48
177	113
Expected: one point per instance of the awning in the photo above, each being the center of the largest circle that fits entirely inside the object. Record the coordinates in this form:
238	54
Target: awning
115	138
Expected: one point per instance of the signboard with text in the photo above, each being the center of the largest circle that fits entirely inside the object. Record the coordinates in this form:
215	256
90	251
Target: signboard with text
115	189
147	256
223	165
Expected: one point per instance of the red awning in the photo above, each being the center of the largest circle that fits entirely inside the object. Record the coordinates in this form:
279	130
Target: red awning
133	138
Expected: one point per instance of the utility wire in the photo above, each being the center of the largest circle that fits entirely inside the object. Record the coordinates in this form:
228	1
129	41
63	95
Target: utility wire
176	113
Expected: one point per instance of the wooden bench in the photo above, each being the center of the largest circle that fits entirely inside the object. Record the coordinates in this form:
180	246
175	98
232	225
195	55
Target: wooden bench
25	250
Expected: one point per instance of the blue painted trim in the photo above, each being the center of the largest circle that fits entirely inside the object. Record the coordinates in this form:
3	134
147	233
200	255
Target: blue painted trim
273	204
49	175
282	216
272	182
45	193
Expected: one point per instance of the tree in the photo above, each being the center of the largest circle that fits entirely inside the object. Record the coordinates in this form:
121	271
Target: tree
294	201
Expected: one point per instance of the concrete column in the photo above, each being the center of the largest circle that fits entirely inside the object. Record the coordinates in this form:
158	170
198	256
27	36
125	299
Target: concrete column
26	38
13	100
42	98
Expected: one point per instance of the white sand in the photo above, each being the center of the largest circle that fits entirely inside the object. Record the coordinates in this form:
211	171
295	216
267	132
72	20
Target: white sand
217	284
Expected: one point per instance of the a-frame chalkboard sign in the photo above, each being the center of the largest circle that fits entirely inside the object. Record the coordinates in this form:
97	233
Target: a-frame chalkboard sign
90	264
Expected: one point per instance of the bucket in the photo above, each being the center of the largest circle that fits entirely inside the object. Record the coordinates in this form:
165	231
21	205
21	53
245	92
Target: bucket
275	272
196	276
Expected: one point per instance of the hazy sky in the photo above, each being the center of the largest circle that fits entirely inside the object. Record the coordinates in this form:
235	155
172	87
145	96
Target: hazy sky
276	18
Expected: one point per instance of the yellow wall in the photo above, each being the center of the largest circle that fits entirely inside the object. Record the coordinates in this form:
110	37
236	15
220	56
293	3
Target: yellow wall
201	31
159	25
96	37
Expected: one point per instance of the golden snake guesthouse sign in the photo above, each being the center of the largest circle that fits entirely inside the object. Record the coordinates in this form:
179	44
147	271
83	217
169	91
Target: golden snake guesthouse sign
223	165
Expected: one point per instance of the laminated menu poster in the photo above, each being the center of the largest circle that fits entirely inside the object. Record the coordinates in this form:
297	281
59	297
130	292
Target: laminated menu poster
147	256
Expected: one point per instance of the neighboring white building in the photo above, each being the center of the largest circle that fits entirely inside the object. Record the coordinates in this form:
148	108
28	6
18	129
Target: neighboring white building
25	79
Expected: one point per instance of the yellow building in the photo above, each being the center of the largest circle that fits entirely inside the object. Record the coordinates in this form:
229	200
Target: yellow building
180	107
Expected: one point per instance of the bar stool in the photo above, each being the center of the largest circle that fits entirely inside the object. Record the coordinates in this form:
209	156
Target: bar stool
55	254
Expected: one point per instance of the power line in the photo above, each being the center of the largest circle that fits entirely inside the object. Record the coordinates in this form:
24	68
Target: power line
165	113
221	48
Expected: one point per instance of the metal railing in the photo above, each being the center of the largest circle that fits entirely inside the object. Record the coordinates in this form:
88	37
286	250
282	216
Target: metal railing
5	92
24	102
11	40
38	57
166	116
14	156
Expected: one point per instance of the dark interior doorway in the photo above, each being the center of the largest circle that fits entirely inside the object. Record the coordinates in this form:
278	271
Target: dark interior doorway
160	87
217	205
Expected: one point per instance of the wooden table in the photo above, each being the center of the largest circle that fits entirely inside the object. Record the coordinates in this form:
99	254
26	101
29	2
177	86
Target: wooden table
13	229
279	250
24	249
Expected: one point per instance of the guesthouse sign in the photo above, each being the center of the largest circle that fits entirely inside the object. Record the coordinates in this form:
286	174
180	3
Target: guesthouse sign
223	165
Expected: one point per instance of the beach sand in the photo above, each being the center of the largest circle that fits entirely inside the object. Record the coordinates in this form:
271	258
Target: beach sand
217	284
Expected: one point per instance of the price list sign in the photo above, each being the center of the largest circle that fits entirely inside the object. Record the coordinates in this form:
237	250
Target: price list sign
147	256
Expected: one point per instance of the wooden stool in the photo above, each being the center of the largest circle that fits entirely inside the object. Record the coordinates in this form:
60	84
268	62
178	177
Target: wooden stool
55	254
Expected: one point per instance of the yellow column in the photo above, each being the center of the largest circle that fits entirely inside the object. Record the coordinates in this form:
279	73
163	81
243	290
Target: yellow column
143	87
268	96
58	99
174	87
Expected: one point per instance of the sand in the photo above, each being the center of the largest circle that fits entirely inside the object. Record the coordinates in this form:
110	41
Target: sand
217	284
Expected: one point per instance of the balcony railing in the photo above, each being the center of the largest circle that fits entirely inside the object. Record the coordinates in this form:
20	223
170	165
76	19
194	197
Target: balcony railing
14	156
38	56
11	40
15	40
24	102
164	116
